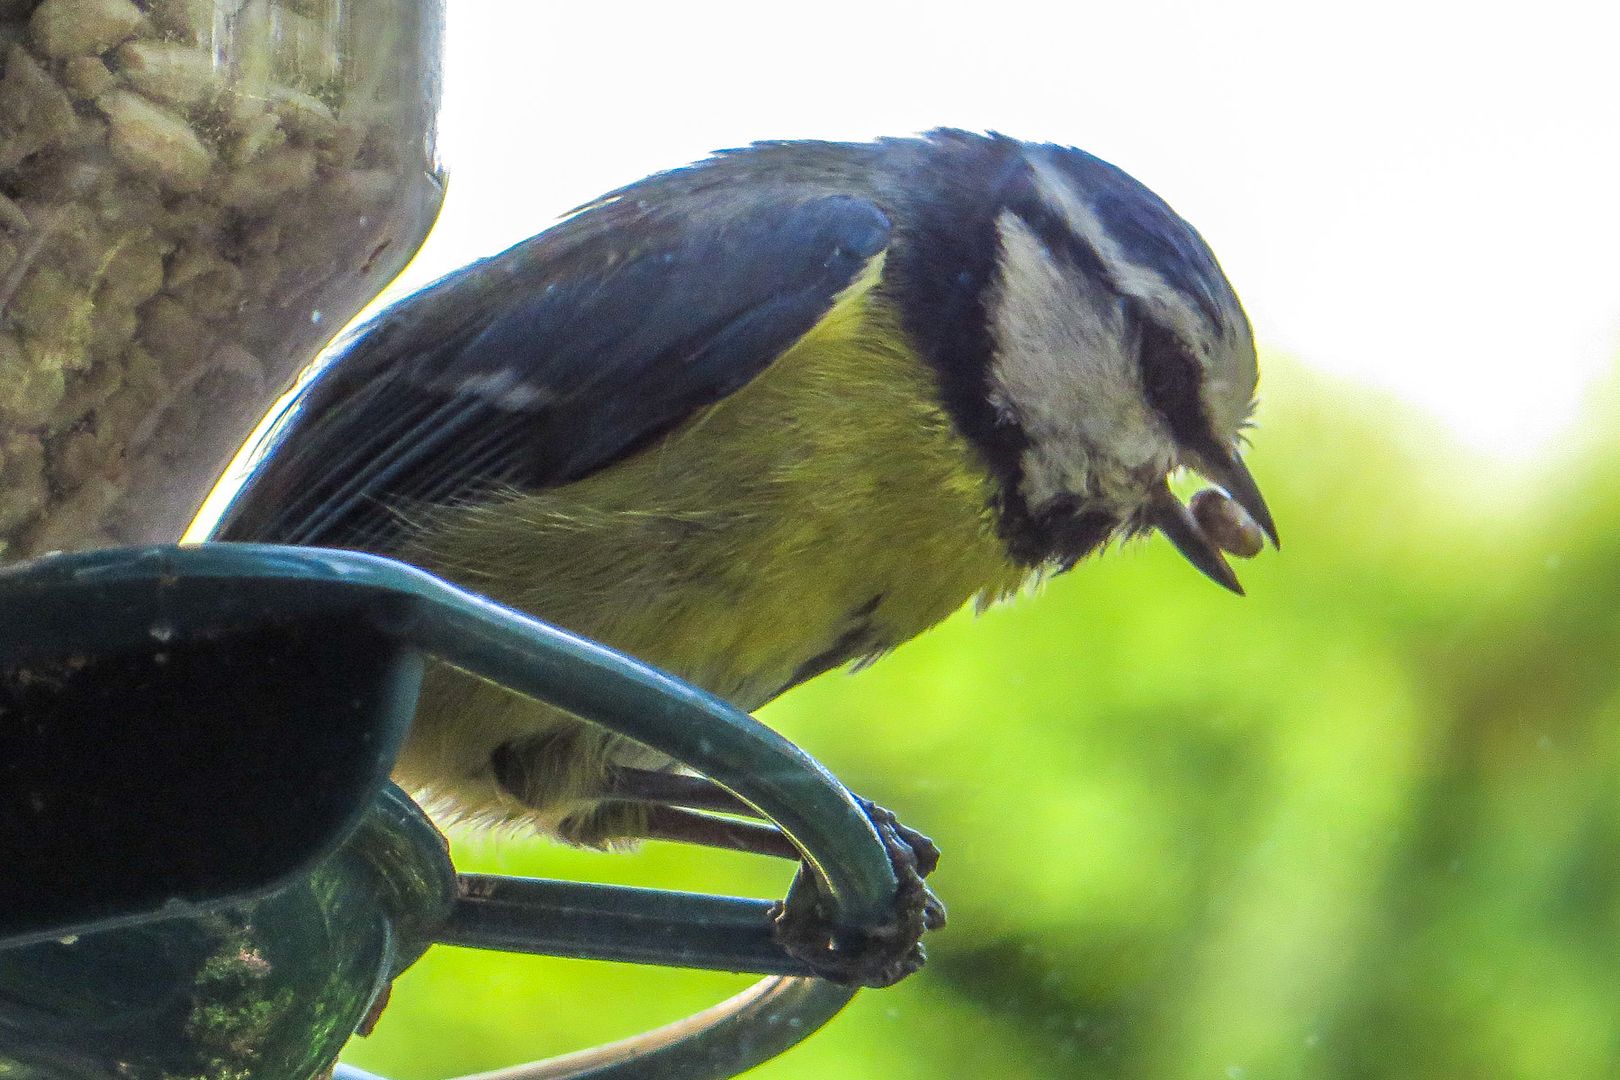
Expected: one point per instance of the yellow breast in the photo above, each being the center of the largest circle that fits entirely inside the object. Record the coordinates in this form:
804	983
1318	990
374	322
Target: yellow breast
825	508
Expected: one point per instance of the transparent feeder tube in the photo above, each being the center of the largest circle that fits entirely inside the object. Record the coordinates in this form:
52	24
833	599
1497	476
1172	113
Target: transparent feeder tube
195	195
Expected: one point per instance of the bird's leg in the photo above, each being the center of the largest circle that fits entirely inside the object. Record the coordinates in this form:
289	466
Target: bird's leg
711	830
686	808
684	790
674	789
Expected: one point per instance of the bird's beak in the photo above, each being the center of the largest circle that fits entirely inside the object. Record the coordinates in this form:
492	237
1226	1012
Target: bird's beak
1227	469
1170	516
1166	513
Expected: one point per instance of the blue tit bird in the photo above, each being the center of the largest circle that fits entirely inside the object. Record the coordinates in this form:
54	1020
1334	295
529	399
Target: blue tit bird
761	417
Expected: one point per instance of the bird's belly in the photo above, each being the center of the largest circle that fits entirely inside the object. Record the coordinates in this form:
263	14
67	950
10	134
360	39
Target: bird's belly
744	636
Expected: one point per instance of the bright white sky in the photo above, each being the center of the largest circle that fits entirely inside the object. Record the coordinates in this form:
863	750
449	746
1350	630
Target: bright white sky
1422	196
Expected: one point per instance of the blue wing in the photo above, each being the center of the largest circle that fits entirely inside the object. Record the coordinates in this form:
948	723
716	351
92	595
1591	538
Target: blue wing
548	362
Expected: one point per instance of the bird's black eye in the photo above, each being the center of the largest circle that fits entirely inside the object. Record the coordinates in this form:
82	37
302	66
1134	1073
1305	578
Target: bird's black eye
1170	381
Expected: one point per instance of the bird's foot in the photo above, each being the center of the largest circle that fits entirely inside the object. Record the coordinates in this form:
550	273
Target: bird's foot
874	958
693	810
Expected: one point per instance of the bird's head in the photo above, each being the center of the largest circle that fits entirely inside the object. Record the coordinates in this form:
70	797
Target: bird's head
1114	352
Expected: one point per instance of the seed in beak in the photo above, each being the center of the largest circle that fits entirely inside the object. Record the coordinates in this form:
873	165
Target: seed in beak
1226	523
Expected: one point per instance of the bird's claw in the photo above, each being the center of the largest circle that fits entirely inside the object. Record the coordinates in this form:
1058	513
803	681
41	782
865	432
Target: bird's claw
874	958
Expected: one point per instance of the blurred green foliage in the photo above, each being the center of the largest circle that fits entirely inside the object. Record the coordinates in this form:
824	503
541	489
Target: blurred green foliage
1364	823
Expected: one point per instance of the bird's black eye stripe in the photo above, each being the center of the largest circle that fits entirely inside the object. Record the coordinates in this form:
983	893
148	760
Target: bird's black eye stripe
1170	375
1170	380
1061	241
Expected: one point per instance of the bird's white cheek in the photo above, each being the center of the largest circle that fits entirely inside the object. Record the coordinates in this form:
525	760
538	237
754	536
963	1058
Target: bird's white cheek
1063	372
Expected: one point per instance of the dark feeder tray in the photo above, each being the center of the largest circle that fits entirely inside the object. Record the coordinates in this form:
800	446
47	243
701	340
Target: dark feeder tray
209	876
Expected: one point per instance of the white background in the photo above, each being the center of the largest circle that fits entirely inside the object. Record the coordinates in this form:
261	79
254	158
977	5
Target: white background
1422	196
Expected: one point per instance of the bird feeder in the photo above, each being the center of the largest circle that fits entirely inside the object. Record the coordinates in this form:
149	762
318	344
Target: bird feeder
194	898
208	873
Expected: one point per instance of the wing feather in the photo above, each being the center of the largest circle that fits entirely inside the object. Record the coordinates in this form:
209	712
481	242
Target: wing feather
549	362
